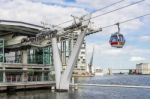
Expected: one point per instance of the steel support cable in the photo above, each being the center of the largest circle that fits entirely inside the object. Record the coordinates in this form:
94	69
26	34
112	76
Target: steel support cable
95	11
107	6
117	9
148	14
108	11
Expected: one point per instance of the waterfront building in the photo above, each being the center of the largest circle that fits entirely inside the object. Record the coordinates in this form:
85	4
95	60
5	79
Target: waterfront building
110	71
99	72
81	67
133	71
66	47
143	68
25	62
21	62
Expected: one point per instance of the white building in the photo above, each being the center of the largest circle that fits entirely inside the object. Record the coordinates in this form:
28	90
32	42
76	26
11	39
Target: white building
143	68
99	72
81	64
66	47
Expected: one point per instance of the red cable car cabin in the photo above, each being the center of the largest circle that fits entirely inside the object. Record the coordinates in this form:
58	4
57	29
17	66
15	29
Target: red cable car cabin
117	40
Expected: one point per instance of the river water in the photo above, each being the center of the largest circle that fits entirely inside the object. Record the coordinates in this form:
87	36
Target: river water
91	92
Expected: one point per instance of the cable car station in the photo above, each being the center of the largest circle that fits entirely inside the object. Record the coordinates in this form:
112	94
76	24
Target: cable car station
30	53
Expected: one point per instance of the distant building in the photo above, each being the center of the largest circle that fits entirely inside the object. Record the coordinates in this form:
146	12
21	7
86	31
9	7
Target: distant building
99	72
109	71
81	63
66	47
81	66
133	71
143	68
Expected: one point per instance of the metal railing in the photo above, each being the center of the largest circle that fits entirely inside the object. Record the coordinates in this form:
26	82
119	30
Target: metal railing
29	79
13	79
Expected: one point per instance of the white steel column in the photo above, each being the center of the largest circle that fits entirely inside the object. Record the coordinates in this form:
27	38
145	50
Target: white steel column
66	76
57	62
25	62
63	80
42	76
4	75
24	56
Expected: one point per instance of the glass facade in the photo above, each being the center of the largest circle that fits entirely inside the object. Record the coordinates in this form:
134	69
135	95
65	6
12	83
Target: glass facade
1	50
1	76
47	56
40	56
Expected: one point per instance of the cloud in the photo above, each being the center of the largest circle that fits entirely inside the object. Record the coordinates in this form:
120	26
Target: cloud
117	16
105	49
41	10
57	11
95	3
63	3
106	56
35	12
113	52
145	38
136	58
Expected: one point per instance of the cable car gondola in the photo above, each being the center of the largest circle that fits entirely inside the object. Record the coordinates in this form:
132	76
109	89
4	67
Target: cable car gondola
117	39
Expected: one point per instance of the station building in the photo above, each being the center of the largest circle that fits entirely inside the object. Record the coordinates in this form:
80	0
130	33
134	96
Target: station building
26	62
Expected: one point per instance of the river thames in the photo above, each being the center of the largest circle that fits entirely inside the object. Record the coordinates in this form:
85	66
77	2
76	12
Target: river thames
91	92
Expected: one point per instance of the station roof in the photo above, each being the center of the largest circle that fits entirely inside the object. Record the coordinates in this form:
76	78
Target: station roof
18	28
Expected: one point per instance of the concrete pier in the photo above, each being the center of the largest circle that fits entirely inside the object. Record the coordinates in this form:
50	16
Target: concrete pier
19	76
26	85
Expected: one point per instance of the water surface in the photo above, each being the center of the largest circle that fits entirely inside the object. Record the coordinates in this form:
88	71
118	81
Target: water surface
90	92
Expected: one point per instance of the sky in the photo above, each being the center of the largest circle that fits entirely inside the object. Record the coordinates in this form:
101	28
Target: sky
137	32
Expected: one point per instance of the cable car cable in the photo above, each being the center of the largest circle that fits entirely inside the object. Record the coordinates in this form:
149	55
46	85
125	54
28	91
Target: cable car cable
116	9
95	11
107	12
107	6
118	25
127	20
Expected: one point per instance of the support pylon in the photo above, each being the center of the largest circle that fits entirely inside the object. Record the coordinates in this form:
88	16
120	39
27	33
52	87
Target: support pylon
63	80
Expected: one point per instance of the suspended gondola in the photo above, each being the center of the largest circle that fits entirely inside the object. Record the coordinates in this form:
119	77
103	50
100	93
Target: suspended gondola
117	39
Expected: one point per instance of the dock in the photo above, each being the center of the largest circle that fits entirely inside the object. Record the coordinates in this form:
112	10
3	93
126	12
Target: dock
26	85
